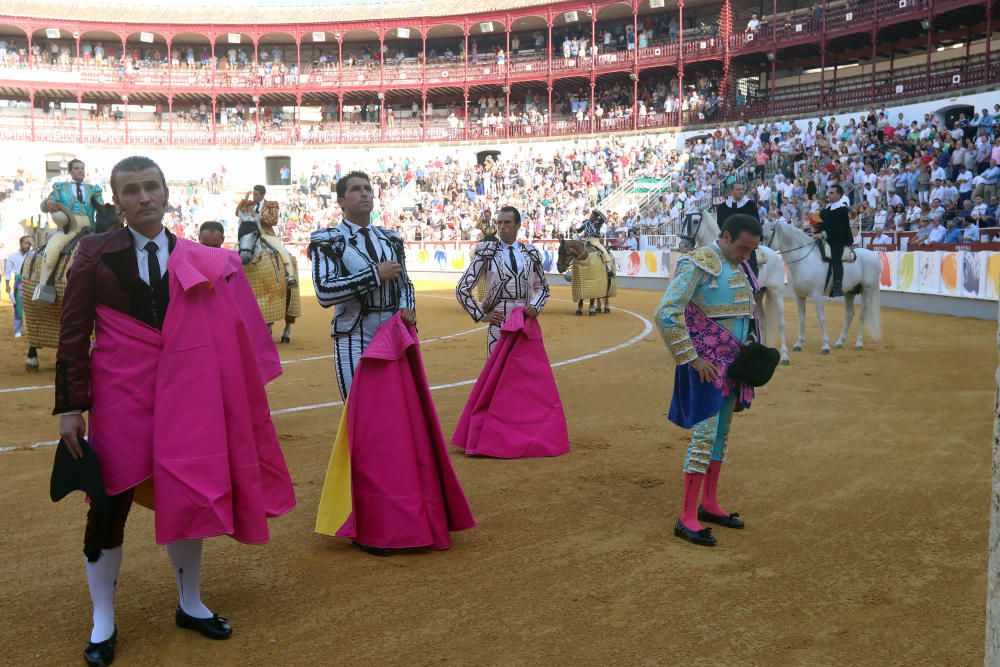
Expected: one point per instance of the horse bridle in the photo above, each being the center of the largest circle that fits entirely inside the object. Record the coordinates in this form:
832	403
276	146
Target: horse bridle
774	230
690	227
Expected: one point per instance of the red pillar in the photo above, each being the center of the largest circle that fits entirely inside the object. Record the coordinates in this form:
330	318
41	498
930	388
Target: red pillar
548	129
989	35
213	120
340	117
423	114
874	57
593	101
125	113
725	31
170	119
340	67
635	99
930	30
465	120
31	105
680	62
506	110
79	117
822	61
381	115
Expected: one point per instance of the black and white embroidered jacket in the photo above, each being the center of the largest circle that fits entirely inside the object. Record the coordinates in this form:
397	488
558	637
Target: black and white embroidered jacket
345	276
528	285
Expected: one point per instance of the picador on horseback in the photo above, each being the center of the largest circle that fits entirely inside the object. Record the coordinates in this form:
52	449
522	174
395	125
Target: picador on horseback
835	228
593	268
76	209
270	268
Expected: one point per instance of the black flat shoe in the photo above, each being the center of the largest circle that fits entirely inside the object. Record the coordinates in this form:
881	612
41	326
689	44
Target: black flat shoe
374	551
701	537
731	520
215	627
101	653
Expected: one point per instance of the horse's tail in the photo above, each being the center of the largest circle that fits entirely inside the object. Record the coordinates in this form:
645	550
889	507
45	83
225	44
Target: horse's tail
872	320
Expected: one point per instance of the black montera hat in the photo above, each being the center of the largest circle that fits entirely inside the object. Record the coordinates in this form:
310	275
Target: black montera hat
82	474
755	365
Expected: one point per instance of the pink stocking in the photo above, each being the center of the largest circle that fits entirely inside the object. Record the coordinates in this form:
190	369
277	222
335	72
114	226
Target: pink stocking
711	501
692	486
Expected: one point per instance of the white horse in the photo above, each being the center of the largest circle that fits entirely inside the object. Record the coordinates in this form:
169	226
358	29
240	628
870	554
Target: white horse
771	276
808	273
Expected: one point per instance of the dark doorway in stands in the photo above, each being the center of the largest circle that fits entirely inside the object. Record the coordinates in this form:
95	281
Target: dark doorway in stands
482	155
57	165
950	114
278	170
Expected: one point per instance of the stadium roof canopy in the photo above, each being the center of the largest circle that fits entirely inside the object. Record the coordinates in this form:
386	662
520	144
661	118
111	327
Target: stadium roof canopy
251	11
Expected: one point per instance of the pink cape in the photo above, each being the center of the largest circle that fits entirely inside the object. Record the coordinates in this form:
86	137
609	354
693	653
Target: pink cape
405	493
187	407
514	410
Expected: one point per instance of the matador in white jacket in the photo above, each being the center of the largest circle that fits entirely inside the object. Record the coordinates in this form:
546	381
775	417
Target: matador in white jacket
514	277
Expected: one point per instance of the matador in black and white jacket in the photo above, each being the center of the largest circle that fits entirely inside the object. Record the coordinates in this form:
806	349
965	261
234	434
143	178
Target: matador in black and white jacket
514	277
360	269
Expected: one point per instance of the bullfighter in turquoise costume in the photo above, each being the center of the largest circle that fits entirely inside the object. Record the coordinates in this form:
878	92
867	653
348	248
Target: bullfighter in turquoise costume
706	316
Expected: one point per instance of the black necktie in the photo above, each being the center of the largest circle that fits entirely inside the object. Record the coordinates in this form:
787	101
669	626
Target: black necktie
513	261
370	245
79	193
154	267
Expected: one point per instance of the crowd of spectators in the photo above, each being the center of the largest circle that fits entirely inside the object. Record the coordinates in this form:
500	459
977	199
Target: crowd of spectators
926	175
899	175
441	198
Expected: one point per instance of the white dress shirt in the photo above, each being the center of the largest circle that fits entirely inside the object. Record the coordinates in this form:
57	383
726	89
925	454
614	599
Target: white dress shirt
141	255
379	245
504	249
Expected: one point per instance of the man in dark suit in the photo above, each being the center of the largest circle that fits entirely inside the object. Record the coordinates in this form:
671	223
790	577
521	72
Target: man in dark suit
126	271
738	202
835	227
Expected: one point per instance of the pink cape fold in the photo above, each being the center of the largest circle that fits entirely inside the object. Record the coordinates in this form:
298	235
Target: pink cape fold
188	408
514	410
404	490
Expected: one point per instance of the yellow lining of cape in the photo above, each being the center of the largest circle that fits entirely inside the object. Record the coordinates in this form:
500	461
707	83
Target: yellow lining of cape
335	502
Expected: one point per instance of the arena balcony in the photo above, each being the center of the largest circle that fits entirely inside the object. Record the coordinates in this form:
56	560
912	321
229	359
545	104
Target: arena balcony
546	70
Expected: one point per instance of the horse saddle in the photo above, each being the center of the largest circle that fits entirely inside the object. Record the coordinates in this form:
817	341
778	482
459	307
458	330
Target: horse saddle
824	251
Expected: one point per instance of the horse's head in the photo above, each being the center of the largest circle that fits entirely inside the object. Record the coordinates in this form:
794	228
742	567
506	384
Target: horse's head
106	217
570	250
249	240
690	227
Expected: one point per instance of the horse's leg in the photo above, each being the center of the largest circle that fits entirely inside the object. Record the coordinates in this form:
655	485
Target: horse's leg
800	302
859	342
579	307
607	308
591	310
848	319
779	314
818	298
31	361
286	335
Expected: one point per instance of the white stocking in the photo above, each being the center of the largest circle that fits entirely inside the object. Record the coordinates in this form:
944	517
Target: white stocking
186	557
102	578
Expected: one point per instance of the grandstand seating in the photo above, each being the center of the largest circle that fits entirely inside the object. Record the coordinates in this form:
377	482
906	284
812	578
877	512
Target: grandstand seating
529	70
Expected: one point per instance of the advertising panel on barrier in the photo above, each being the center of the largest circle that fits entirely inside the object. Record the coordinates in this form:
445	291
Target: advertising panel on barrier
959	273
948	273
